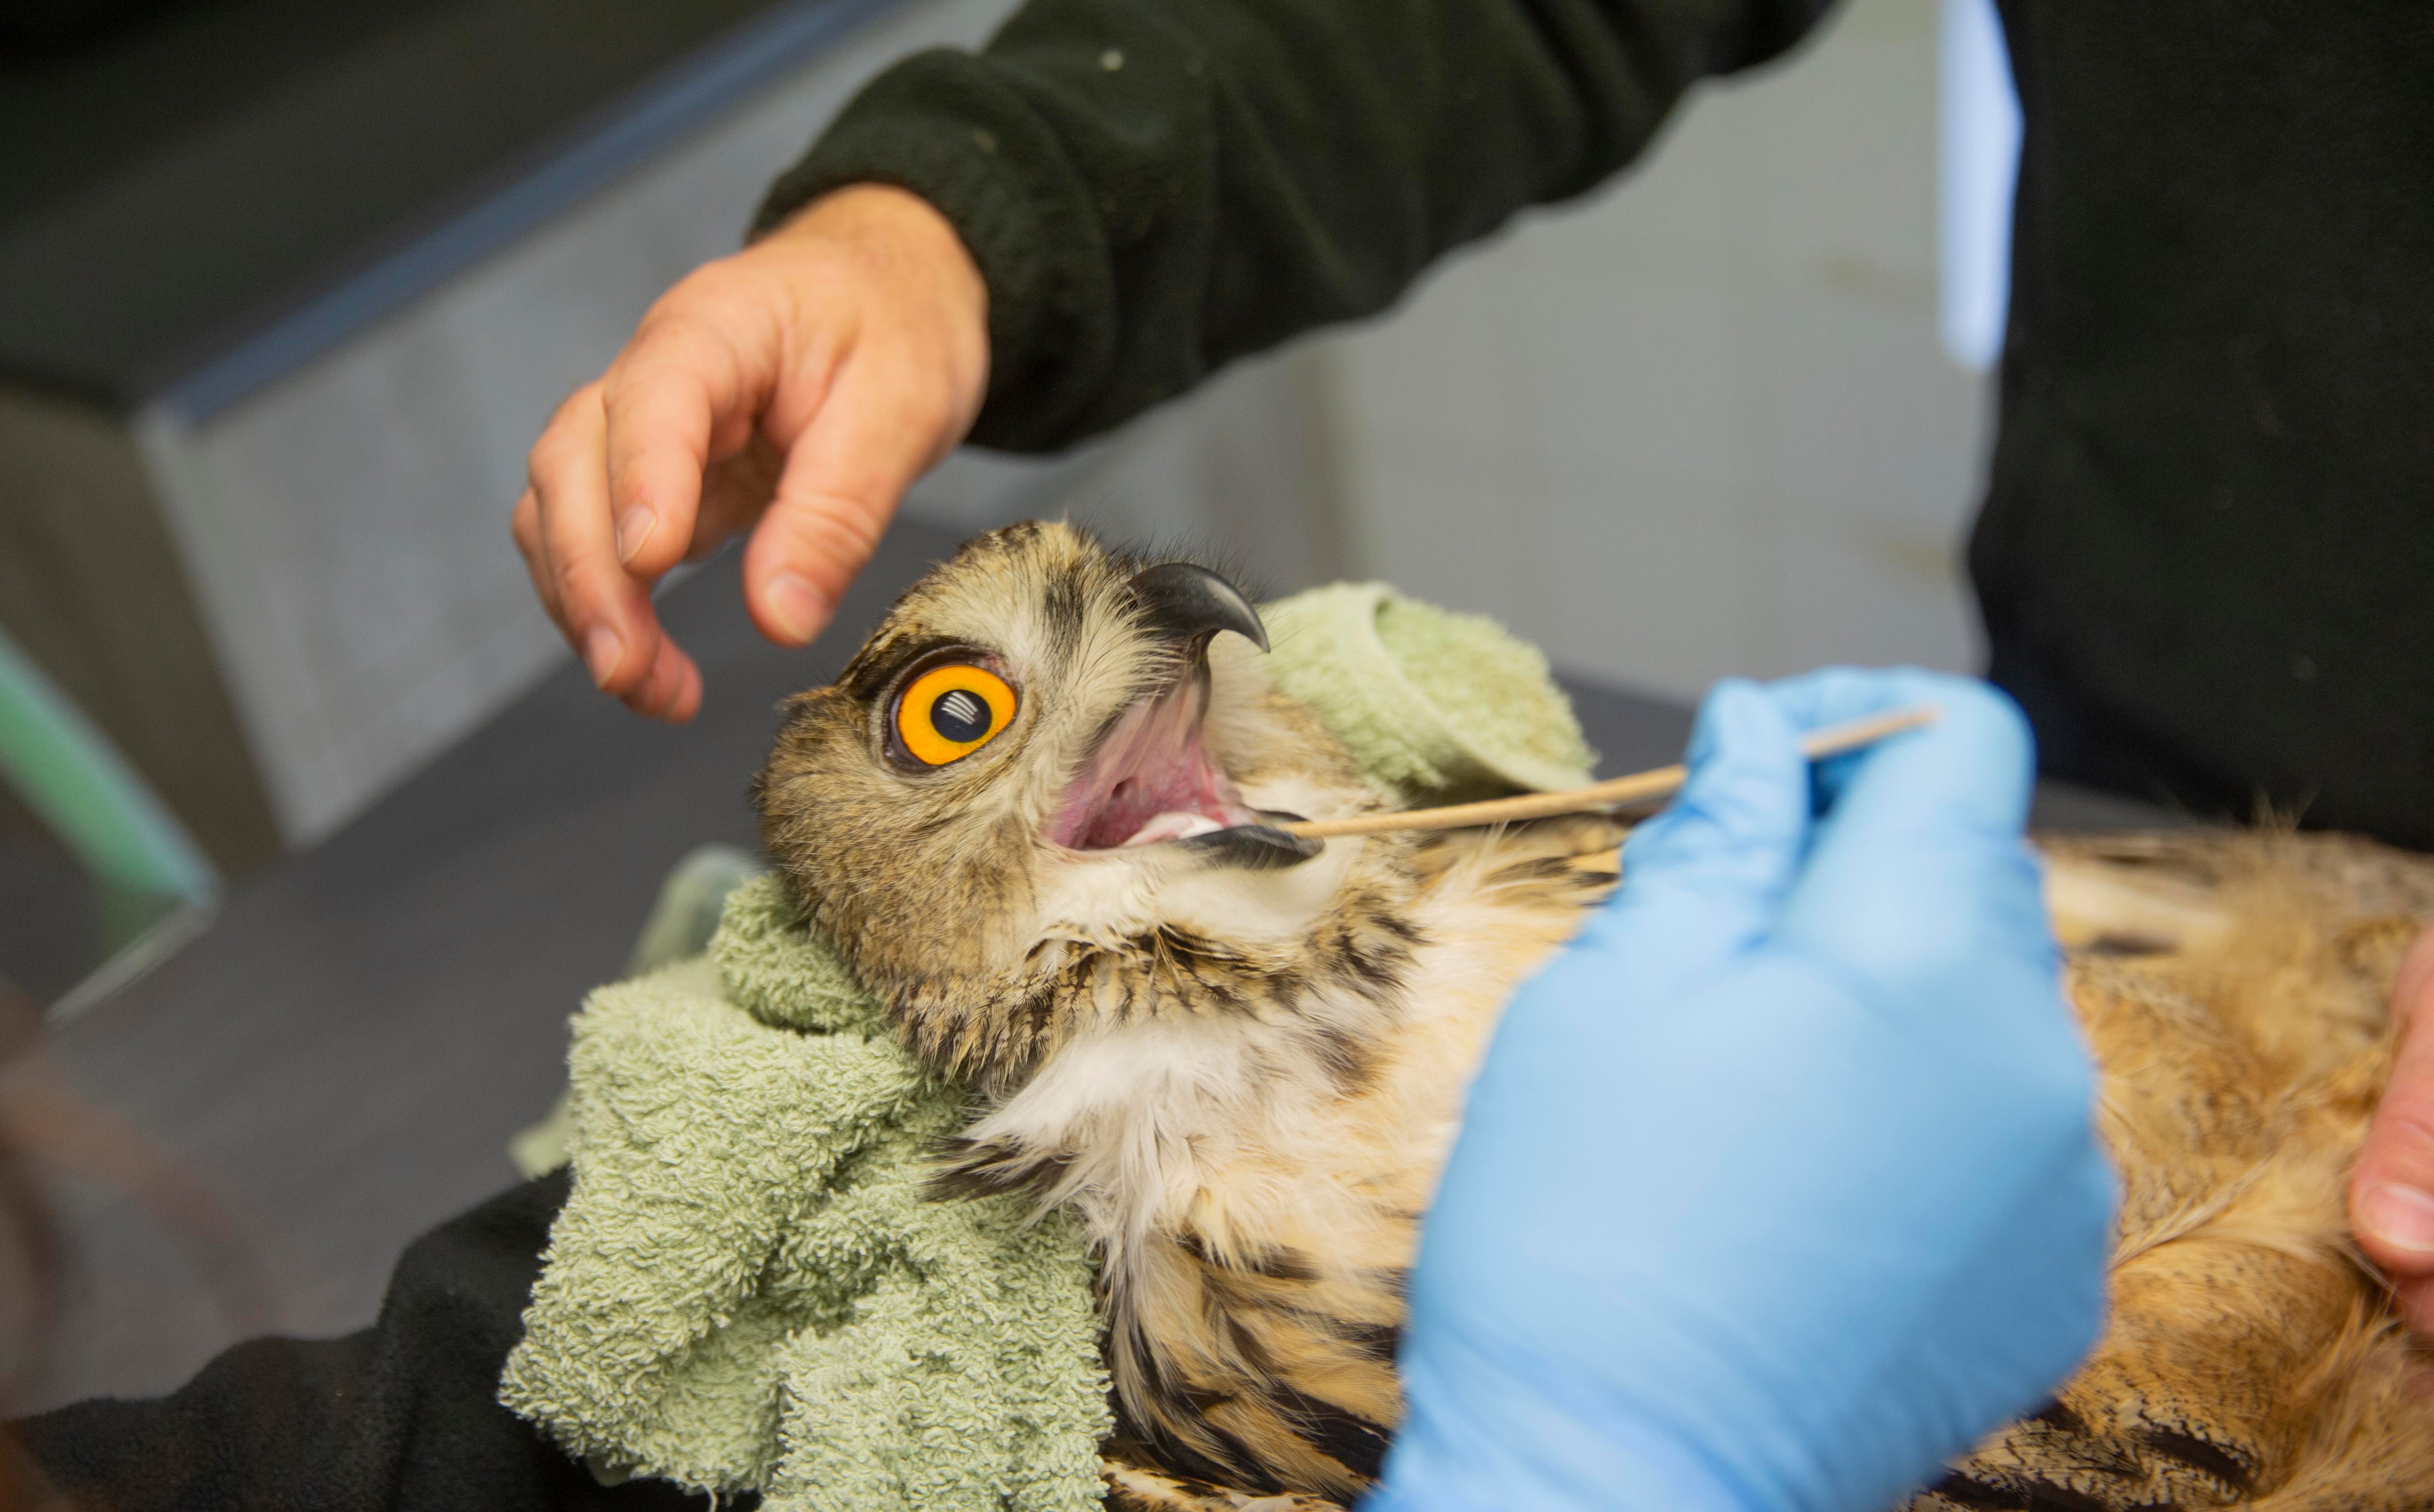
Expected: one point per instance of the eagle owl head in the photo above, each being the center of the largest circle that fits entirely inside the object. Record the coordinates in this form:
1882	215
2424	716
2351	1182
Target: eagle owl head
1040	801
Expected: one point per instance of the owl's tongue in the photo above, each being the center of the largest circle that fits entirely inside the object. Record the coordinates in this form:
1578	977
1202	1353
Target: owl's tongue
1152	779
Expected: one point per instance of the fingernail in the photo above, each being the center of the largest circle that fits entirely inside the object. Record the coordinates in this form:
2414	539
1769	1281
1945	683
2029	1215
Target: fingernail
634	527
602	650
2401	1216
799	608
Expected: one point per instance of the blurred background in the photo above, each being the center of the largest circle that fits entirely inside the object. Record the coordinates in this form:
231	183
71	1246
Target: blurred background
311	835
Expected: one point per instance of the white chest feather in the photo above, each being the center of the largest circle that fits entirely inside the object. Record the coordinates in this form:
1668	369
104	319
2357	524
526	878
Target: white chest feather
1246	1130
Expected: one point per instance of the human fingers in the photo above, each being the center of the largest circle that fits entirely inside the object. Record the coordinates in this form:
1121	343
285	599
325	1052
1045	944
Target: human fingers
1980	756
735	494
672	689
1919	870
2414	1299
1705	878
602	610
683	396
2391	1188
887	420
524	524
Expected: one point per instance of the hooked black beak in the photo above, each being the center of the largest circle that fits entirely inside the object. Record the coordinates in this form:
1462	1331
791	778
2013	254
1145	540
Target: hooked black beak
1186	603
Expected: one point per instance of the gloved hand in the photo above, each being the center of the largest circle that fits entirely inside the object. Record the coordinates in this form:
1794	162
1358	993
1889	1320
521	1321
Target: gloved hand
1779	1185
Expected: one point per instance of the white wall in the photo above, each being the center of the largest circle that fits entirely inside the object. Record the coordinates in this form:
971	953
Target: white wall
1702	424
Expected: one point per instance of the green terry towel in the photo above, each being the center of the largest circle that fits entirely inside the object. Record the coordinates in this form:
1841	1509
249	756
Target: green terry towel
1440	706
746	1290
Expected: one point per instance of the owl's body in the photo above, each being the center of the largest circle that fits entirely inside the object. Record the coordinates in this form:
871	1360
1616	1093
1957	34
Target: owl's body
1243	1067
2232	985
1036	813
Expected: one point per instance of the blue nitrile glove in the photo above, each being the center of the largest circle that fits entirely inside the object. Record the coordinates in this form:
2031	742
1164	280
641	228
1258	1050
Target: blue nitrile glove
1779	1185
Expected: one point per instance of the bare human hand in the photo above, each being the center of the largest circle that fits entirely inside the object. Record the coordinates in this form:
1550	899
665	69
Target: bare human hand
2391	1191
796	388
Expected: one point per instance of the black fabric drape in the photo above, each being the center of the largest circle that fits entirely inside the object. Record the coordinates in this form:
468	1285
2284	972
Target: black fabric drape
401	1418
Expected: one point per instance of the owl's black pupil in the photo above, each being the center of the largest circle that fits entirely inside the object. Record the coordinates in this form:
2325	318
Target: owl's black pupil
959	716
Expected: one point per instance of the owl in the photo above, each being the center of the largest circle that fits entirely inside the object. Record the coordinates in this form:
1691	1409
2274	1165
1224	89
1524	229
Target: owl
1038	812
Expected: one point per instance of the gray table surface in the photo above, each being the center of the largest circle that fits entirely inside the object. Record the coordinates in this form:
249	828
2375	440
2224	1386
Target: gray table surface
264	1121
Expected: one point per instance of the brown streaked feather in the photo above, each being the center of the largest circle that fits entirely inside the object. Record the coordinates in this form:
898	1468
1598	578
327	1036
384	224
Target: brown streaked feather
1136	1484
2251	1359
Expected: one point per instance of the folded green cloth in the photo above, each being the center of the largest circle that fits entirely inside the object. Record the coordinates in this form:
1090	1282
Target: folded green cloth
1439	706
746	1290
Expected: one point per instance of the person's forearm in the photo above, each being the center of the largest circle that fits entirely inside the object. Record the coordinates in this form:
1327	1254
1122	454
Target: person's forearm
1152	190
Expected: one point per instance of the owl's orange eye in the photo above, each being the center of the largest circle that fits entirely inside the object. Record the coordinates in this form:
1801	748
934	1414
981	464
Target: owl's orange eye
949	712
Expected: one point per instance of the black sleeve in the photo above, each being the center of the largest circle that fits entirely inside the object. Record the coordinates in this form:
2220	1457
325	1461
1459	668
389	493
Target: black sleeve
401	1418
1154	187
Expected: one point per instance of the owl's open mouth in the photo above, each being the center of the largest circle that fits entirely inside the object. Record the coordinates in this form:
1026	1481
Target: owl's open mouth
1151	779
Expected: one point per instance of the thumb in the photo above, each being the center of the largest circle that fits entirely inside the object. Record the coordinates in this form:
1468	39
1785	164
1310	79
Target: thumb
1706	879
877	432
2392	1189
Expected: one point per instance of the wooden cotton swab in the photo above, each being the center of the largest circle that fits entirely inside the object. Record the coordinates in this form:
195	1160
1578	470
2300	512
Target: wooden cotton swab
1640	788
